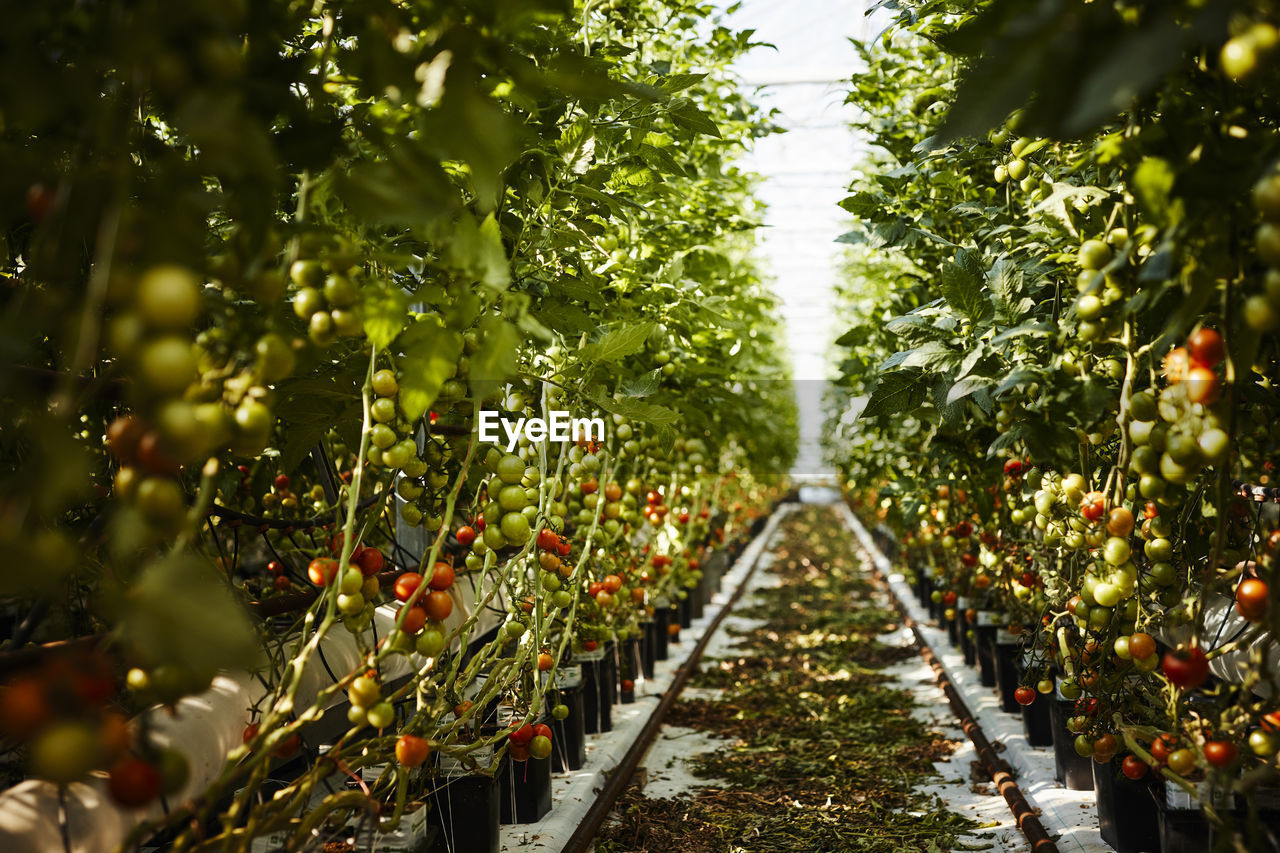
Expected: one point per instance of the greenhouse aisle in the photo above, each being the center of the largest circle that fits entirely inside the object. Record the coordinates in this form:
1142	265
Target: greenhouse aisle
803	76
813	724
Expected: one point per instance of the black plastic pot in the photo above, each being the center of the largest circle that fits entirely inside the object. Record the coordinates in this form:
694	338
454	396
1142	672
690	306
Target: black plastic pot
674	619
1069	767
953	628
525	790
597	709
467	811
698	598
924	589
648	646
685	609
986	654
568	736
628	668
1006	657
661	634
1128	816
609	675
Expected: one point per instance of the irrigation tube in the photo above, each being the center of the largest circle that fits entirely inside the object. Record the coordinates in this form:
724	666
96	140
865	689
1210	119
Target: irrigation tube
619	779
995	766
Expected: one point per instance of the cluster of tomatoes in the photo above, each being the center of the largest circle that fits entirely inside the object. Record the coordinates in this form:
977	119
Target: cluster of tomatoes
67	714
654	510
425	604
529	741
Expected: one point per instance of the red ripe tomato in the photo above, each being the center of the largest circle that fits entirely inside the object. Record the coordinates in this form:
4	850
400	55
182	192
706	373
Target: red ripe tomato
322	571
466	536
628	686
24	706
438	605
964	529
1150	510
541	730
590	486
133	782
1205	347
1141	646
275	567
1185	668
653	498
370	561
1013	468
683	518
522	735
480	522
595	589
949	598
705	514
545	661
1024	695
520	752
968	560
1162	747
250	732
1252	599
590	645
1220	753
548	540
441	576
612	583
407	584
1134	767
288	746
564	548
281	582
411	750
414	619
1093	505
1028	579
1202	385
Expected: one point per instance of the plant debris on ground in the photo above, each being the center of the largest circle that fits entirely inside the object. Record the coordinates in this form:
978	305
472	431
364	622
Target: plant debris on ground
821	752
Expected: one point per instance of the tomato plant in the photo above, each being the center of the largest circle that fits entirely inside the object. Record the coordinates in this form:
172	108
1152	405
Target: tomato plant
1044	342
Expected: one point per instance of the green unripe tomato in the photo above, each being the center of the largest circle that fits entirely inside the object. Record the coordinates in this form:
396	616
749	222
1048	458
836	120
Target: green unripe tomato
385	384
1093	255
307	303
381	715
430	642
515	528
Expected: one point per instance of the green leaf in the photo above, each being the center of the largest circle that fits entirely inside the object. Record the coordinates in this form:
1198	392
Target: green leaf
643	385
430	358
385	312
966	387
478	251
679	82
1153	187
180	612
577	145
687	115
496	359
636	410
617	343
897	393
961	285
